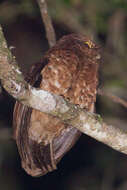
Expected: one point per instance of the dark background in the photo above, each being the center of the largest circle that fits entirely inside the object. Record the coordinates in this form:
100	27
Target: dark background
90	165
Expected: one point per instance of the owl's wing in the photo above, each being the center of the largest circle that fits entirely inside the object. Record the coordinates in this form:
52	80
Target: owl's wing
39	158
36	158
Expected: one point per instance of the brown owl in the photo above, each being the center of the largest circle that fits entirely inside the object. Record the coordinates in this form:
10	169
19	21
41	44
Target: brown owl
69	69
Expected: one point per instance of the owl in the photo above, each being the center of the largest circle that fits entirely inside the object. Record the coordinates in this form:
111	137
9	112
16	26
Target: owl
69	69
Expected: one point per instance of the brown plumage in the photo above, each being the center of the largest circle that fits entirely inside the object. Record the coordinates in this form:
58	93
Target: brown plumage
70	69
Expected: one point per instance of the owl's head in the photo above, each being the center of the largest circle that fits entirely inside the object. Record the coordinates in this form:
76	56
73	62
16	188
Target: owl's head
82	45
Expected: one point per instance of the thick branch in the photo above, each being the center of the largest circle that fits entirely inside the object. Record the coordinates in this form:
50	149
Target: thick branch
50	33
90	124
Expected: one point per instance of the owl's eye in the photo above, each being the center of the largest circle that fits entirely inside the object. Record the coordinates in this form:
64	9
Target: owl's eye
90	44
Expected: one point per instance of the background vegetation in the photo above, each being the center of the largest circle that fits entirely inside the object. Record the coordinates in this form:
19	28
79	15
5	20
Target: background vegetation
90	165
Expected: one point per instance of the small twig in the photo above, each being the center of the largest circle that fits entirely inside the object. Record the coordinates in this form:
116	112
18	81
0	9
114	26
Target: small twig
50	33
114	98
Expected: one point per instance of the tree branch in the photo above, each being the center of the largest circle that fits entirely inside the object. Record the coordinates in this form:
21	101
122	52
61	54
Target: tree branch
112	97
50	33
88	123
